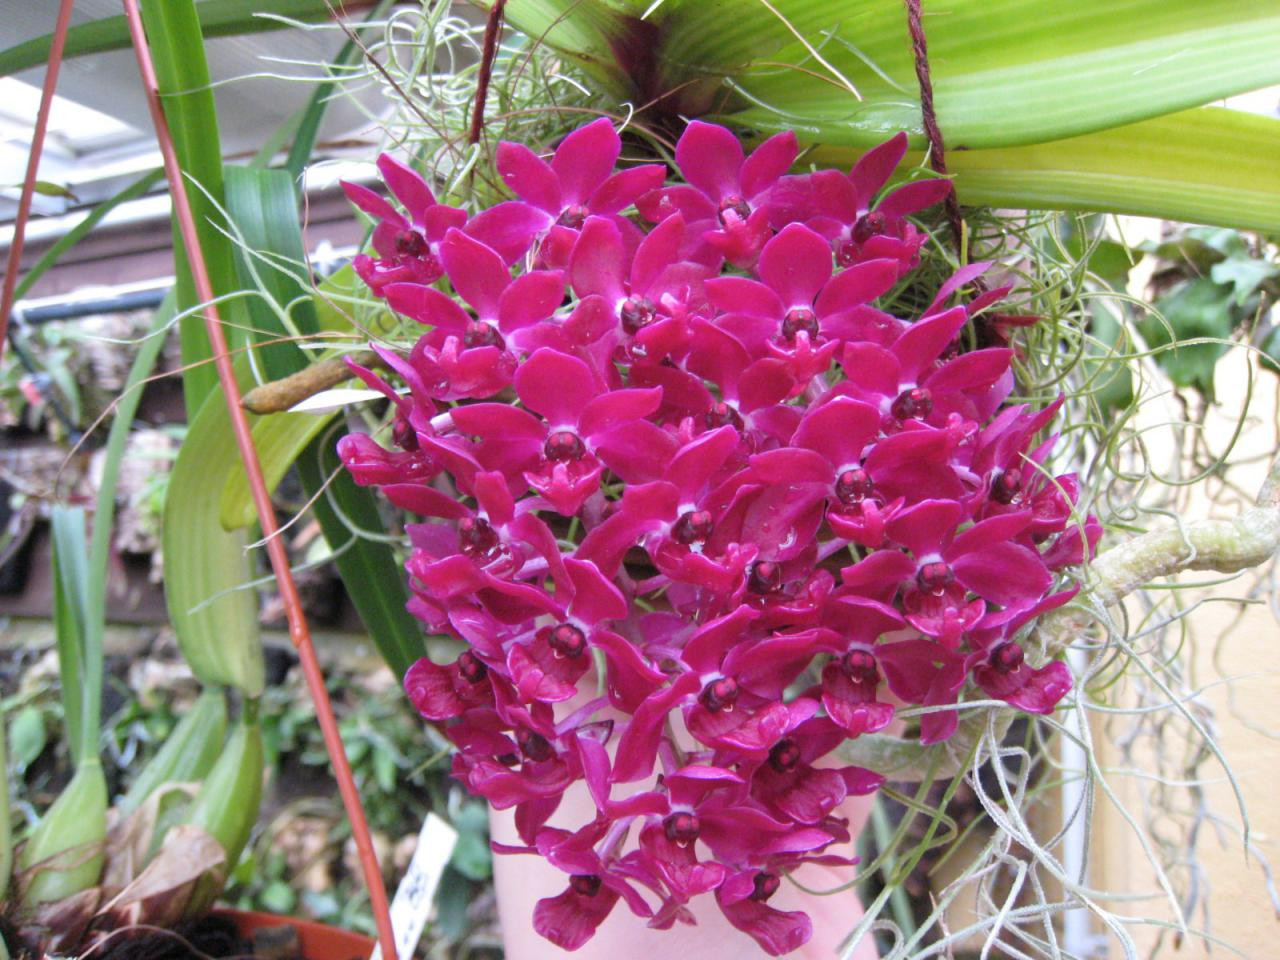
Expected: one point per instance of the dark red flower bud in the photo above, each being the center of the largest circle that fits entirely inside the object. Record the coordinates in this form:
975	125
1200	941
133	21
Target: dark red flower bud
534	745
869	225
1007	657
574	216
784	756
766	885
567	641
471	668
1005	488
636	312
860	667
563	446
410	243
935	577
913	404
585	884
681	828
481	334
853	486
765	577
722	414
735	205
405	437
692	527
720	694
477	537
797	320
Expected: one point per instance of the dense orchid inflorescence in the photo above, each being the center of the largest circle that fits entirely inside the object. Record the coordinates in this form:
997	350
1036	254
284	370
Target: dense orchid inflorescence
699	509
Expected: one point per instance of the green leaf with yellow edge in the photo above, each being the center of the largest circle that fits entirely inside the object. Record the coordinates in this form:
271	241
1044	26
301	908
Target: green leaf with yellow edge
1004	72
1208	165
1044	105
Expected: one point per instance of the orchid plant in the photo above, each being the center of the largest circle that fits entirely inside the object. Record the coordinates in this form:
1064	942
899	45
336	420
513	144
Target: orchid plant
700	510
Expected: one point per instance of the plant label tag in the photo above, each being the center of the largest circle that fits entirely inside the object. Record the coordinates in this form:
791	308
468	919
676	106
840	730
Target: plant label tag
411	906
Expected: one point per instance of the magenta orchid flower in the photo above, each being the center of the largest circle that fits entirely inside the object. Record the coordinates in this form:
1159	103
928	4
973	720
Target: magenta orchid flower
844	210
408	244
726	193
579	182
765	510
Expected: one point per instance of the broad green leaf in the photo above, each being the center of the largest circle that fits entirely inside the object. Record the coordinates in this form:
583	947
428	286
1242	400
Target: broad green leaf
472	856
264	209
177	46
208	569
1005	72
218	18
265	212
279	439
1209	165
27	738
1045	105
605	38
1244	274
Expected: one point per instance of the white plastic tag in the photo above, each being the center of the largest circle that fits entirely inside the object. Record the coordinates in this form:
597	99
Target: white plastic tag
411	906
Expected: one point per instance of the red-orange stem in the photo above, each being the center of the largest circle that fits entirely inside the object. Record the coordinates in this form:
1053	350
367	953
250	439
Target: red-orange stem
33	164
299	631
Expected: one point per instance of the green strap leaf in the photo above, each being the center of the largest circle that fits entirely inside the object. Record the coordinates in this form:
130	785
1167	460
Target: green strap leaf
218	18
208	569
79	636
263	208
177	46
1209	165
1044	105
279	439
1005	72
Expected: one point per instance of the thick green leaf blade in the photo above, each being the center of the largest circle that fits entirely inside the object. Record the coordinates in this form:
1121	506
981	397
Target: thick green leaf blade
605	37
373	577
207	568
1209	165
1005	72
279	439
264	211
218	18
177	46
79	642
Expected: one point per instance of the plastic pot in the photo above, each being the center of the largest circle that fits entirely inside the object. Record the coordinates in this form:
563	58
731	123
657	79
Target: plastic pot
317	940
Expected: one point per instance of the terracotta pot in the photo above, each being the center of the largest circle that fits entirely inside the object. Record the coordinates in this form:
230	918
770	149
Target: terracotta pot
318	941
